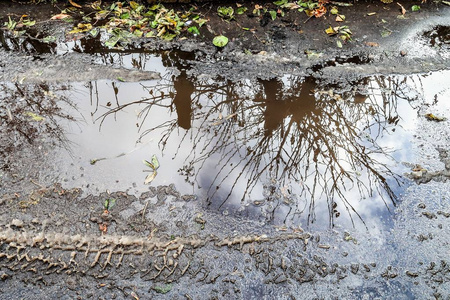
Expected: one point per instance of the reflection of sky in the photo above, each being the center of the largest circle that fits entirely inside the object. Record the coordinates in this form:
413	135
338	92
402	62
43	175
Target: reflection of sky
119	134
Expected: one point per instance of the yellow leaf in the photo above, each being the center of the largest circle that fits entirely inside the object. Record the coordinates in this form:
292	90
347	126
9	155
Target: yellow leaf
150	177
340	18
134	5
330	31
34	116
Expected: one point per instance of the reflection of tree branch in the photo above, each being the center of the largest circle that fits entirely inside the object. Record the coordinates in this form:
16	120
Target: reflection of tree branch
293	130
38	113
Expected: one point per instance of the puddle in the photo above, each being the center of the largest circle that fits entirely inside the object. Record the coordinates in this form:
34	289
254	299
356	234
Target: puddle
287	151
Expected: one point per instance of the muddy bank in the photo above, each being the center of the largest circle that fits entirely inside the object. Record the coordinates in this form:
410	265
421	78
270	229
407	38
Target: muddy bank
381	43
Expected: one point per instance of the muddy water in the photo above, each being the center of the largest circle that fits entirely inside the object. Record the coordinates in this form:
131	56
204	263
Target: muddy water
287	151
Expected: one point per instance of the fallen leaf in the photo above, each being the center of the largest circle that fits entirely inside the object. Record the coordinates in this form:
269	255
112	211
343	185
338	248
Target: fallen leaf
403	9
386	33
74	4
230	116
59	17
103	227
155	162
432	117
220	41
371	13
330	31
341	3
134	295
372	44
340	18
34	116
311	54
150	177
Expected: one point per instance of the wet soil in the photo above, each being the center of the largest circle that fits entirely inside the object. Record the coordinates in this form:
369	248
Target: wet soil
282	175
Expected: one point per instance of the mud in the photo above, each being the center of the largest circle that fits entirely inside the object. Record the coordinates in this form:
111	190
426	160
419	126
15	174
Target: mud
76	220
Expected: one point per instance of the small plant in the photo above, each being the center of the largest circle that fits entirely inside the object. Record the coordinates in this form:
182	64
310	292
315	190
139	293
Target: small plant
226	13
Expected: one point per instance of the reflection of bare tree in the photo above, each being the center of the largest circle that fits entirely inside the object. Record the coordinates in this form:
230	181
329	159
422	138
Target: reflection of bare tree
289	130
29	113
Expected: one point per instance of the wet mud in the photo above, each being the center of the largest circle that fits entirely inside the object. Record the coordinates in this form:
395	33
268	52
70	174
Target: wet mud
279	167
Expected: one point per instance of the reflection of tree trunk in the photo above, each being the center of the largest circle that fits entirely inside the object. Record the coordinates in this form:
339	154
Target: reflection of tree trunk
184	89
304	105
275	109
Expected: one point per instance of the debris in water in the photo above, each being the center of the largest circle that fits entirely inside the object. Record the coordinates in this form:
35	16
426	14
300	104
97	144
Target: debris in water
432	117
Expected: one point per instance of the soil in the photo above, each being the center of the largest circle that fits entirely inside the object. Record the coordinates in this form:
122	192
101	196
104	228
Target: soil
60	242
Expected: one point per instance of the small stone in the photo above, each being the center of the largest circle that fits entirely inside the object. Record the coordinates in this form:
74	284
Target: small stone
421	205
403	53
17	223
429	215
412	274
4	276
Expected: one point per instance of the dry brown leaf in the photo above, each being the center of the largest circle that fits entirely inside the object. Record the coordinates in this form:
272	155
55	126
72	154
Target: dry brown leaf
59	17
403	9
74	4
372	44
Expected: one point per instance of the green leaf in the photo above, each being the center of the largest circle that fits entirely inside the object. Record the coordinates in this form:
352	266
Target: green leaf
169	36
280	2
138	33
163	289
10	24
273	14
112	41
201	22
28	23
109	203
241	10
155	162
386	33
225	12
220	41
49	39
194	30
338	43
125	16
334	10
415	8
